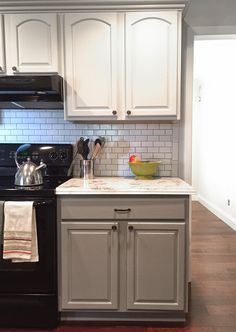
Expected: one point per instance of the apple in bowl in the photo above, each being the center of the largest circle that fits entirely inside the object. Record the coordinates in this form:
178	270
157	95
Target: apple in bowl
134	159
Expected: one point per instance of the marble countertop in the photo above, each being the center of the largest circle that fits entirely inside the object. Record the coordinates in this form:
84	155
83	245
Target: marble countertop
124	186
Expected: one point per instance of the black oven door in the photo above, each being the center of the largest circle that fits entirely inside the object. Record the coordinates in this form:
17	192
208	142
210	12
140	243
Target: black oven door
40	277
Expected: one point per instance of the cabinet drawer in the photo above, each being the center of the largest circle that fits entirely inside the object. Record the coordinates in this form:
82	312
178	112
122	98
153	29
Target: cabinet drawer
122	208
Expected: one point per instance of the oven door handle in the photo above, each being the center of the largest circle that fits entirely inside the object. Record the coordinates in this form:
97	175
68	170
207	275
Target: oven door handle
44	202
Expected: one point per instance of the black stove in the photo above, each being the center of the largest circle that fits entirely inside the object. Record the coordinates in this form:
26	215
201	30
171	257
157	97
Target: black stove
28	291
57	157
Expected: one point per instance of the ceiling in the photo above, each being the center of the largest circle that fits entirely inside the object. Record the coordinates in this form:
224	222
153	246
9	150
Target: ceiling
211	13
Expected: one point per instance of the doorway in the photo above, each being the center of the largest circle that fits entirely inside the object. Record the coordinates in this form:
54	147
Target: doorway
214	125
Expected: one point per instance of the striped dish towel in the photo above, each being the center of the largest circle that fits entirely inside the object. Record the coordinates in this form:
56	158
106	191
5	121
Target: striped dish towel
1	225
20	232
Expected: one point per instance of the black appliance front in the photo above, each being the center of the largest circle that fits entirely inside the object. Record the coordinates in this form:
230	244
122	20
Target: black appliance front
31	92
34	277
28	291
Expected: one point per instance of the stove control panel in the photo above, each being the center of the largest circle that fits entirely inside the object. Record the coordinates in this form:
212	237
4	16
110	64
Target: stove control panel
50	154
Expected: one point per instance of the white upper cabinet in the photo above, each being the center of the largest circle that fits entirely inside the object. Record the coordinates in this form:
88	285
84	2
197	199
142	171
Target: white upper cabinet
31	43
152	63
123	65
2	53
91	64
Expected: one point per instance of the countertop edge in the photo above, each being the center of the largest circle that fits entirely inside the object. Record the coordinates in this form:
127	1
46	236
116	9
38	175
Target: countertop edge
98	186
99	193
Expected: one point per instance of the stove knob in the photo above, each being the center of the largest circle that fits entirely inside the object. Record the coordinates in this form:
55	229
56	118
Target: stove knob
63	155
53	155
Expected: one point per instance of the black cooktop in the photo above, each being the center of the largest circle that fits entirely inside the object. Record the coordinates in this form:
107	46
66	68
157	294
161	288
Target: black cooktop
57	157
8	188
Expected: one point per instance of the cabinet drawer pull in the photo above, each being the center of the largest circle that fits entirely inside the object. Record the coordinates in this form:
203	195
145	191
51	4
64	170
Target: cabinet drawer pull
131	228
1	68
14	68
114	227
122	210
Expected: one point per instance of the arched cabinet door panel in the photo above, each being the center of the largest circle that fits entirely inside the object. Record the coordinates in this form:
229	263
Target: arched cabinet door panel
31	43
90	64
152	63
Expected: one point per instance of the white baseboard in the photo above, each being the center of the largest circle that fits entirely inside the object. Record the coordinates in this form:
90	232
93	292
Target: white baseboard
226	218
195	197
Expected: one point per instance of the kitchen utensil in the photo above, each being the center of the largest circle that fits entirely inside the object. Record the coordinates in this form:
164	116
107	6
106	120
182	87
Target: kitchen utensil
144	169
97	147
99	143
80	147
86	149
79	151
28	173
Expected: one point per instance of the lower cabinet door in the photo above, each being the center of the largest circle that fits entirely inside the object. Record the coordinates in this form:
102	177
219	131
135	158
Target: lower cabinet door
89	268
155	265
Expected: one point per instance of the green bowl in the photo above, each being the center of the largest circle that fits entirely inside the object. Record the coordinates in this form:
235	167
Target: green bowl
144	169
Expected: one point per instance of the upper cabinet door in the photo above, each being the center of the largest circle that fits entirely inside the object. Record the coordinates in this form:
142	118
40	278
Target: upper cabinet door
2	53
31	43
152	63
91	64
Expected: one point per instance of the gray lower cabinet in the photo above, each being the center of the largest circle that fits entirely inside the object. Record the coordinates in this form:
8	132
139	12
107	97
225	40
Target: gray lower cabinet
89	258
124	263
155	266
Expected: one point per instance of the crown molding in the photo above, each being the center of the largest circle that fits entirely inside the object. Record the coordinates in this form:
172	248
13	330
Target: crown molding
64	6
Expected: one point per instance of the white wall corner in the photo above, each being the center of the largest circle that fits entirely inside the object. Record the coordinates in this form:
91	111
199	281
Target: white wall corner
185	139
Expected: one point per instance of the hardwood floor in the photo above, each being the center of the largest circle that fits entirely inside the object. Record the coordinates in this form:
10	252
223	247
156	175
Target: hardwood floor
213	292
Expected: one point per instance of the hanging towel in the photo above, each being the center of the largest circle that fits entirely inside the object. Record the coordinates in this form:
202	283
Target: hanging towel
1	225
20	232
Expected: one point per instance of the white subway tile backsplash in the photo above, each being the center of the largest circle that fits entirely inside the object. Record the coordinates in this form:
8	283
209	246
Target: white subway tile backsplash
134	144
16	120
146	143
166	126
153	126
158	132
175	152
176	133
148	132
153	141
168	144
141	126
165	149
165	138
117	126
41	120
158	143
105	126
129	126
147	156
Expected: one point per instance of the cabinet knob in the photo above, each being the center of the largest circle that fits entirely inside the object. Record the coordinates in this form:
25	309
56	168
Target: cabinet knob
1	68
131	228
114	112
14	68
128	112
114	227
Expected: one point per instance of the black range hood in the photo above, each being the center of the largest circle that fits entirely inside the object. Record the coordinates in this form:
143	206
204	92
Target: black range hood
31	92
